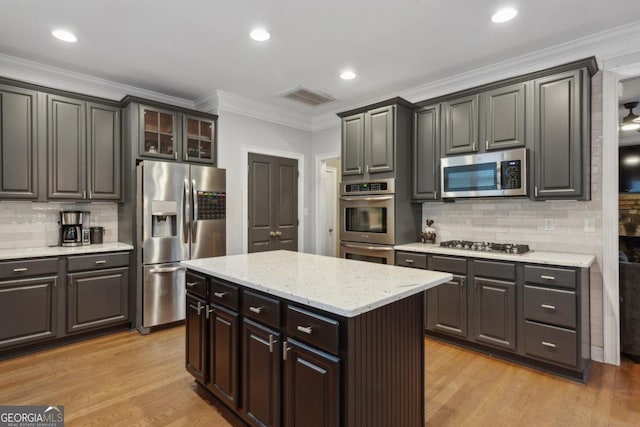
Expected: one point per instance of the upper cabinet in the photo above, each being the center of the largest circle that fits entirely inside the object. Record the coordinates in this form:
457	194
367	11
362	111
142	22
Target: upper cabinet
83	150
562	136
18	143
426	153
490	120
375	138
170	133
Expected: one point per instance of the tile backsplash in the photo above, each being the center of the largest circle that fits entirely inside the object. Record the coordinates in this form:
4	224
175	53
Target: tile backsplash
35	224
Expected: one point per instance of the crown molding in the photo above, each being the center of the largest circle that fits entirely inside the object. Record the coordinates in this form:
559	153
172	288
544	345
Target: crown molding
324	121
258	110
208	103
47	75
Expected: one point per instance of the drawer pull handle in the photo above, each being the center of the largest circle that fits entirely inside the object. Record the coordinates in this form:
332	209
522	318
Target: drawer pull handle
199	308
20	270
191	284
547	277
272	341
305	329
256	310
208	311
285	349
102	261
548	344
547	306
219	294
408	261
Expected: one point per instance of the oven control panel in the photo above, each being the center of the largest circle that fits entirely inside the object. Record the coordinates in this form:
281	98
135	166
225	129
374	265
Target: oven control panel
382	186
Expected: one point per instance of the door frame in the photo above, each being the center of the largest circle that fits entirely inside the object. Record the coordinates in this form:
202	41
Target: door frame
246	149
320	159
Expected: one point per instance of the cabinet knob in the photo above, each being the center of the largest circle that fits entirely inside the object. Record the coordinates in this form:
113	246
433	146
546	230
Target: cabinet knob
278	233
272	233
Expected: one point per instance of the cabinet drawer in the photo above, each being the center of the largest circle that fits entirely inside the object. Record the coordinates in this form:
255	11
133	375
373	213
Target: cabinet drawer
261	308
547	276
449	264
550	343
97	261
196	284
411	259
28	267
224	294
554	306
496	270
314	329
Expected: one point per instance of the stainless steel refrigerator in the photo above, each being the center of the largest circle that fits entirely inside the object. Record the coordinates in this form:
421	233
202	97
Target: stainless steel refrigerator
182	210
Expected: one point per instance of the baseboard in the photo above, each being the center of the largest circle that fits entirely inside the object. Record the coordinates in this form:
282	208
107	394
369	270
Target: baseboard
597	354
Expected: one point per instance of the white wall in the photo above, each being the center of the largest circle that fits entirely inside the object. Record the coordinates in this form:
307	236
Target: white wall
236	131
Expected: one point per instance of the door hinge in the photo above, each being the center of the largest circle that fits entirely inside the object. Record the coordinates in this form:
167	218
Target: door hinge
297	222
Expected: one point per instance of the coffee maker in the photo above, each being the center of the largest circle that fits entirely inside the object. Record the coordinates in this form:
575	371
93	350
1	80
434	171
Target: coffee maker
72	224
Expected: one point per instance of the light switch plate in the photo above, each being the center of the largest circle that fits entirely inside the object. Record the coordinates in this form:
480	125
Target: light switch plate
548	224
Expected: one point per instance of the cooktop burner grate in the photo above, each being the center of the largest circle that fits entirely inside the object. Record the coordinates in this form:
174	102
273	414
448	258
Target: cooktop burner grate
507	248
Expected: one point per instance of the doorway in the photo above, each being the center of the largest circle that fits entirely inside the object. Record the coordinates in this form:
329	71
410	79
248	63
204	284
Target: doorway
272	203
328	179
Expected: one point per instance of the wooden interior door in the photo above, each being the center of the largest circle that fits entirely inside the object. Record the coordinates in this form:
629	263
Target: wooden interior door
273	203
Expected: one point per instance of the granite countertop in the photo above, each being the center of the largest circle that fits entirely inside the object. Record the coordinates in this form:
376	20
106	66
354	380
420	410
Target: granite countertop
340	286
17	253
534	257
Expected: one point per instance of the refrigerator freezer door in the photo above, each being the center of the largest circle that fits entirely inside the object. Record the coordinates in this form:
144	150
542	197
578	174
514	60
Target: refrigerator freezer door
165	212
163	294
208	212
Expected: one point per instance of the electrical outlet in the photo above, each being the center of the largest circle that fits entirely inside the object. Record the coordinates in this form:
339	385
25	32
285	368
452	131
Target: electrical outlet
548	224
589	225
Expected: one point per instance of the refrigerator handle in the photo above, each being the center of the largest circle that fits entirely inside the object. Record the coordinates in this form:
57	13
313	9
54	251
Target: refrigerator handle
185	212
194	219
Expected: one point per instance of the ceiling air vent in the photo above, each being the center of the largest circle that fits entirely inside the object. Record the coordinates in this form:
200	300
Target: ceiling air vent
307	96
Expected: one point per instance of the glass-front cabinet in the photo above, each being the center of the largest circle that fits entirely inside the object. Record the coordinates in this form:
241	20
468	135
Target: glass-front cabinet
199	139
159	133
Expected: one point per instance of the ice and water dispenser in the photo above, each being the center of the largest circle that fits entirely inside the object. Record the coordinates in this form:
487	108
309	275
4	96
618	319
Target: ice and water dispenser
164	218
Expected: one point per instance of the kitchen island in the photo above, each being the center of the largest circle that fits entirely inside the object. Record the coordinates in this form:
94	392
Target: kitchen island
286	338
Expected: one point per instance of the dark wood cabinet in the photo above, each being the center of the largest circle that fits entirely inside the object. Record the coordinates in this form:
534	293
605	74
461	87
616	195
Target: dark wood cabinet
504	117
353	145
494	308
461	125
562	152
158	132
84	150
199	139
311	387
18	143
426	153
196	337
379	136
223	366
447	307
261	374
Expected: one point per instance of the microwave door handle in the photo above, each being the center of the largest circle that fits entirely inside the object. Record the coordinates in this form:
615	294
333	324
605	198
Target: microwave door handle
366	199
369	248
499	175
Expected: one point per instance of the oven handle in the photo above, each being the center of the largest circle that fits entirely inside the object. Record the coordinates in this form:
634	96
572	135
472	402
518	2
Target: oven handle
369	248
366	199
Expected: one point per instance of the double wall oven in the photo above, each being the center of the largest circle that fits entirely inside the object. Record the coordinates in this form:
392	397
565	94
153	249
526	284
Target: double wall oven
367	221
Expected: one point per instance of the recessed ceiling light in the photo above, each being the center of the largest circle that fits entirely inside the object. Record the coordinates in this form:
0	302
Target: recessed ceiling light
348	75
65	35
504	15
260	35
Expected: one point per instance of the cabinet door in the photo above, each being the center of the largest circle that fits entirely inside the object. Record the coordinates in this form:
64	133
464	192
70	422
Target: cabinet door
196	336
27	311
447	307
97	299
261	374
158	133
495	312
379	140
426	153
223	371
311	387
504	117
199	140
104	159
18	143
353	145
461	125
561	142
66	148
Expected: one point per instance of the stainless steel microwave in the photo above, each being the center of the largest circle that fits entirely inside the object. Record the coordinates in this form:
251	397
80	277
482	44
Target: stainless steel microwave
498	173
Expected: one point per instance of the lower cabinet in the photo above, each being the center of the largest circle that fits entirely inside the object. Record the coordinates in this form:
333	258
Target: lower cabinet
447	307
311	386
28	311
196	336
494	307
223	374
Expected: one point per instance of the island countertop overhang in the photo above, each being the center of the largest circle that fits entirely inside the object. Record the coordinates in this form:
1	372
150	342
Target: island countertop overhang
344	287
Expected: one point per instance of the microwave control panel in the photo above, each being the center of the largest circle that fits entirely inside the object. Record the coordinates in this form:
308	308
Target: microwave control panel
511	174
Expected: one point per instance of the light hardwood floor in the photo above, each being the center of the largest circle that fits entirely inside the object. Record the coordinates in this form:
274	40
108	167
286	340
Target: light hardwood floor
126	379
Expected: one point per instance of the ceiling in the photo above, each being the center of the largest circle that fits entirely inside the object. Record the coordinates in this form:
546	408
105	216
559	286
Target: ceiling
194	48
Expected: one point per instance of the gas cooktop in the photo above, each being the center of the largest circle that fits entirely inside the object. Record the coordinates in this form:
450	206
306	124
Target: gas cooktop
507	248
